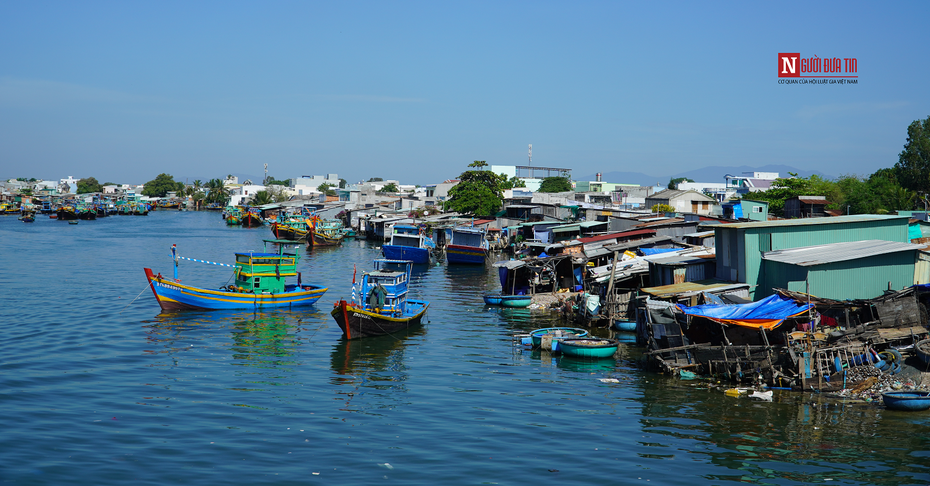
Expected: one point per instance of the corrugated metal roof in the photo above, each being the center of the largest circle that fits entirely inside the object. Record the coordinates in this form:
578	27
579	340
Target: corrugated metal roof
711	286
813	221
813	200
623	234
589	224
702	234
565	228
837	252
655	240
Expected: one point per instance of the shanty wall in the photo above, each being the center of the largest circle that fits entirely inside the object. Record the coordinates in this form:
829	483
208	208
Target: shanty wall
739	250
863	278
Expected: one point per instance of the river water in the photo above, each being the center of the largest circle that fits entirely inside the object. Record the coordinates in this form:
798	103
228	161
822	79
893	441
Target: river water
98	386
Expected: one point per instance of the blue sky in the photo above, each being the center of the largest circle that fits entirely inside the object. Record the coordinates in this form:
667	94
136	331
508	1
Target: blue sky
415	91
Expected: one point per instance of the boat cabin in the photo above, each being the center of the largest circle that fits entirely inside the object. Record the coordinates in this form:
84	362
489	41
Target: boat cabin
385	287
406	235
264	272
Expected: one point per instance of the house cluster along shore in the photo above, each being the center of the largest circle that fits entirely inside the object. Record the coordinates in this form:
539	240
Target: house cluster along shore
706	284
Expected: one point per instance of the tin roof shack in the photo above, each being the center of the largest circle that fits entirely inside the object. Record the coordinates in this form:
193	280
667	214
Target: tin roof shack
745	209
842	271
681	269
682	201
701	238
806	207
740	246
535	275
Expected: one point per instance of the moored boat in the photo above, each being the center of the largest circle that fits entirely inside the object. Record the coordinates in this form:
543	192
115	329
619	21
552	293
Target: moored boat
290	228
922	350
382	306
408	243
468	245
508	300
589	347
556	334
260	282
251	218
325	232
911	401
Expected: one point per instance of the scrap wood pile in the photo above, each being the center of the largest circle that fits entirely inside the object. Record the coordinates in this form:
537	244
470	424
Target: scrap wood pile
791	339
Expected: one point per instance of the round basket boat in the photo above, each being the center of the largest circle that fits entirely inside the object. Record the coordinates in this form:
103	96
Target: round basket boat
589	347
559	333
922	349
913	401
492	299
625	326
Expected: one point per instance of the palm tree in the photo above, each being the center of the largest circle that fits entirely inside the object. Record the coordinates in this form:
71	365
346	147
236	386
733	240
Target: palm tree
217	192
261	198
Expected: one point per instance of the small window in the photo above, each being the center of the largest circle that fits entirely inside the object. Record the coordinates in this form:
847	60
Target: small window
757	209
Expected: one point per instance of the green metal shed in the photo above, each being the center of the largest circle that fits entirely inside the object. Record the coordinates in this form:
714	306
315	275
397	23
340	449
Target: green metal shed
740	245
841	271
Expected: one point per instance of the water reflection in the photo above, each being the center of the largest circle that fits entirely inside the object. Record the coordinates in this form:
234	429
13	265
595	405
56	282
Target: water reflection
799	437
373	367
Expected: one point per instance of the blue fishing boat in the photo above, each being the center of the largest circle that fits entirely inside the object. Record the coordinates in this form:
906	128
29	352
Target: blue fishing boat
382	306
911	401
589	347
259	283
469	244
408	242
493	299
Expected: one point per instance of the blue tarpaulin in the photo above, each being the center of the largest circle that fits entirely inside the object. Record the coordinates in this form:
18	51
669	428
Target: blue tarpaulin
656	251
768	312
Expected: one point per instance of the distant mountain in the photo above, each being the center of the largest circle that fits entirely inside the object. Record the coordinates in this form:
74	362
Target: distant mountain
704	174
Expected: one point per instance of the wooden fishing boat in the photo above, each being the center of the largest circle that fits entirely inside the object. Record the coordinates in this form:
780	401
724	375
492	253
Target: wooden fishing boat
250	218
259	283
912	401
556	334
382	306
408	243
67	213
468	245
291	228
589	347
28	217
325	232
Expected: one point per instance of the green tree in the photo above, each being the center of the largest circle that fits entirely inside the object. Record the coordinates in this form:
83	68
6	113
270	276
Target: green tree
673	183
478	192
375	179
88	184
555	184
161	186
271	181
261	198
391	187
326	188
663	208
913	167
783	189
342	183
512	182
217	192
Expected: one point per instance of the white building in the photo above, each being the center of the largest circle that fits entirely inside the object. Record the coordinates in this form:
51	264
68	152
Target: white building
242	194
306	185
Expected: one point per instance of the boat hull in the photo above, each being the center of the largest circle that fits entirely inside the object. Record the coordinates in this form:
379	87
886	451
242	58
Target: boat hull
516	300
356	322
625	326
251	221
396	252
589	348
558	333
172	295
922	349
466	254
287	232
320	239
911	401
492	299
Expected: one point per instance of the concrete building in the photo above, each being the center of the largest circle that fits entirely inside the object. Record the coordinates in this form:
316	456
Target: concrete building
746	209
532	176
306	185
682	201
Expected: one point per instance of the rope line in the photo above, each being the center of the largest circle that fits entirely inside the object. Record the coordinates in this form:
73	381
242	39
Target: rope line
204	261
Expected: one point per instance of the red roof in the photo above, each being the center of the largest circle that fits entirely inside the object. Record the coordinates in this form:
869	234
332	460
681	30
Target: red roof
483	221
620	235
